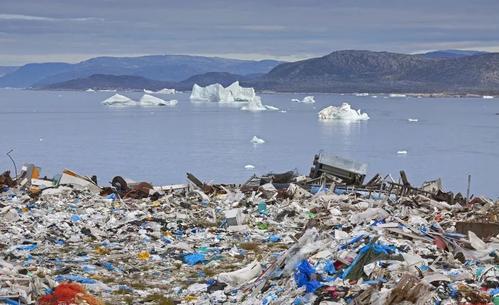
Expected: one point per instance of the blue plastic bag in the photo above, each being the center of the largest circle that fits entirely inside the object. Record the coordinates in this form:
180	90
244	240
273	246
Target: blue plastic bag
193	258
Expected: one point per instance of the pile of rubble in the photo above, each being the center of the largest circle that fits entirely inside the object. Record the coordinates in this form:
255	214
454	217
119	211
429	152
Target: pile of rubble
276	239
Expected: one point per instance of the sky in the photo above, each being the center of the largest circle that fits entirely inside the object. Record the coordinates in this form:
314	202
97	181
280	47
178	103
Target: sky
75	30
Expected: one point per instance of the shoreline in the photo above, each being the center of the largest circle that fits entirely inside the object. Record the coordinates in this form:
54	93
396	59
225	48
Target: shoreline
272	238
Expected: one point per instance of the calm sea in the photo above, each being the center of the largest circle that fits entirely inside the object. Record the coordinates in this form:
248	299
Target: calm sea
452	138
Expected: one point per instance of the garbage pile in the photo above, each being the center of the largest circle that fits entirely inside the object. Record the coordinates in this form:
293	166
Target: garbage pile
276	239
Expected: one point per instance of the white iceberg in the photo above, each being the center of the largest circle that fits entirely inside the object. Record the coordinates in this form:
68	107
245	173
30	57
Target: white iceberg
166	91
344	112
361	94
90	90
241	94
254	105
217	93
162	91
306	100
257	140
487	97
397	95
212	93
119	100
152	101
402	152
271	108
249	166
413	120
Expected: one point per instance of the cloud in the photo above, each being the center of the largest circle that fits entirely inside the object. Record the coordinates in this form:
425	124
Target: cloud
263	28
20	17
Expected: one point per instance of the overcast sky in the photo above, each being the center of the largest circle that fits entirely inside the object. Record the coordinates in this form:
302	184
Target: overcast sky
67	30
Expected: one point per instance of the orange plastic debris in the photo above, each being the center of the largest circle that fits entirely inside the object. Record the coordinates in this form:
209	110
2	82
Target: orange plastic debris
69	293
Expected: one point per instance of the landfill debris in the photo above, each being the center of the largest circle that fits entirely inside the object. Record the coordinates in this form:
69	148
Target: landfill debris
278	238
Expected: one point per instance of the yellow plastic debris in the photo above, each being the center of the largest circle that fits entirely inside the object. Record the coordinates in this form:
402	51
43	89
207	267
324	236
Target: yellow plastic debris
143	255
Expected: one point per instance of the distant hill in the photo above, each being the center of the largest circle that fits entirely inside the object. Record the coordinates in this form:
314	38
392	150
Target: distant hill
367	71
446	54
7	69
29	74
103	81
341	71
159	67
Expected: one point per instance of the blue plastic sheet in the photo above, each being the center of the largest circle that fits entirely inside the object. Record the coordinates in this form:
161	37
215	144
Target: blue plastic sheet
274	238
329	267
30	247
193	258
376	247
303	276
74	278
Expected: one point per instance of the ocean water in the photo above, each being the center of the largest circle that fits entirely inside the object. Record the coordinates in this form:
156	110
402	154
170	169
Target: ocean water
453	137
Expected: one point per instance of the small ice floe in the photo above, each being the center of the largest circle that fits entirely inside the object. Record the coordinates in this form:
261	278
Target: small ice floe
397	95
271	108
257	140
487	97
283	111
306	100
402	152
152	101
254	105
249	166
413	120
162	91
343	112
119	100
361	94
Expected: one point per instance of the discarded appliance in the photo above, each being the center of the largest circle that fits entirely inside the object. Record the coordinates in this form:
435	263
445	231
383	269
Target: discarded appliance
349	171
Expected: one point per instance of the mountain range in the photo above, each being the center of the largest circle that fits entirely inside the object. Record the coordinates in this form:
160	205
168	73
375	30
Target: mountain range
448	71
172	68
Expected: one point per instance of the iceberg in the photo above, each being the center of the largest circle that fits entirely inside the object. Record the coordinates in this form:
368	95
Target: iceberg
249	166
217	93
402	152
487	97
119	100
361	94
305	100
413	120
344	112
166	91
211	93
90	90
257	140
271	108
241	94
152	101
162	91
397	95
254	105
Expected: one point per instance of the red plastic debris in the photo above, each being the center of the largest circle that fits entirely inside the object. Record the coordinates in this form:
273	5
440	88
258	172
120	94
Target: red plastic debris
69	293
